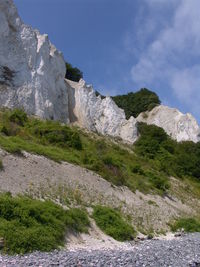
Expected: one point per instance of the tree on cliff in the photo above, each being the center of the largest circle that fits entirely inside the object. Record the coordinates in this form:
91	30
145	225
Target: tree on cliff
73	73
135	103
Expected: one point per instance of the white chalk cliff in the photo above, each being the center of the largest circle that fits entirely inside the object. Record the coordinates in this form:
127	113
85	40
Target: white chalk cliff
32	75
100	115
32	70
181	127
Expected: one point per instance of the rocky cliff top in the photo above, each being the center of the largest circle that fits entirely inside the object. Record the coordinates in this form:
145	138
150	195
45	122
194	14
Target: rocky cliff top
181	127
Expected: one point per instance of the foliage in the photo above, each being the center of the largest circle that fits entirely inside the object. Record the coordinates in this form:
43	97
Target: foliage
145	166
171	157
19	117
112	223
188	224
27	225
158	181
135	103
53	133
73	73
77	220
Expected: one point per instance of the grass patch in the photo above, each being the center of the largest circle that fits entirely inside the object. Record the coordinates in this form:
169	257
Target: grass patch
188	224
112	223
144	166
27	225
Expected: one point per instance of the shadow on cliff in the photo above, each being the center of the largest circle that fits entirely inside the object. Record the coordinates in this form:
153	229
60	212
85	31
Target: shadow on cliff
71	103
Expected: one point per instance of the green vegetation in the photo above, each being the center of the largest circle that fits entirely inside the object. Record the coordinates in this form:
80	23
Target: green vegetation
145	166
135	103
27	225
112	223
188	224
73	74
173	158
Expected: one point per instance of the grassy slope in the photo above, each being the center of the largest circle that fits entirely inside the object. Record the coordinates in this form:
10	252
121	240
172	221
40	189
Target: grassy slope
116	163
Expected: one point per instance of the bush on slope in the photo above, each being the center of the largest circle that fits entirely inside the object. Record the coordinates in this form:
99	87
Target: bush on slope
27	225
112	223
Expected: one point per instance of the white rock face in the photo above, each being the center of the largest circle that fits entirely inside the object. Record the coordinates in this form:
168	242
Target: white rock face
32	70
181	127
96	114
32	75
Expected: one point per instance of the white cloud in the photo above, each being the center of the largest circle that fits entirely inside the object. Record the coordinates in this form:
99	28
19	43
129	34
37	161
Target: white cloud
172	57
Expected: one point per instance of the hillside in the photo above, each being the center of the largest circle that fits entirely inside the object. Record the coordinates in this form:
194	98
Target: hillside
141	181
78	170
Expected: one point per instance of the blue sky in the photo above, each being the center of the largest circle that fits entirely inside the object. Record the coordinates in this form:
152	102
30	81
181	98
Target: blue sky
124	45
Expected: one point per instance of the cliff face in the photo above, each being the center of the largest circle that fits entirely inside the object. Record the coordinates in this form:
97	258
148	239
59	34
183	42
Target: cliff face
100	115
32	75
181	127
32	70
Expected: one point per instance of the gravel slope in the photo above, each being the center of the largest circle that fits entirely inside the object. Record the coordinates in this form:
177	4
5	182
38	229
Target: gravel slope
41	177
179	252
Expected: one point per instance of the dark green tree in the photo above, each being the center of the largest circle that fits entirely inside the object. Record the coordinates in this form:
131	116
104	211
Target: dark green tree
135	103
73	73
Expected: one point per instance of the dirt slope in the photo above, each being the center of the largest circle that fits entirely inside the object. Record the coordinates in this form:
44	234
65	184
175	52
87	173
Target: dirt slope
41	177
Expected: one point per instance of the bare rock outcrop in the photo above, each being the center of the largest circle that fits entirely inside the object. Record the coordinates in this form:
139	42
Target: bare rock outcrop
100	115
32	70
181	127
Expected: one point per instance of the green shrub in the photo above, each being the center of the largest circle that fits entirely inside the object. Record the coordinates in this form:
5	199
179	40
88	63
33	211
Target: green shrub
53	133
158	181
150	141
18	116
27	225
188	224
114	170
73	74
180	159
111	222
135	103
137	169
77	220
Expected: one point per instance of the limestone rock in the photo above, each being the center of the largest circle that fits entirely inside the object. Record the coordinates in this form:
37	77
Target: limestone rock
32	70
100	115
181	127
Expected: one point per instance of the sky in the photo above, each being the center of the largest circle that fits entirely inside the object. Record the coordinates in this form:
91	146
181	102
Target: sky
124	45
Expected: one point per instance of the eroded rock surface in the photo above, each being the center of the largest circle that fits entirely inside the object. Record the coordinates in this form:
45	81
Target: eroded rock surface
32	70
181	127
100	115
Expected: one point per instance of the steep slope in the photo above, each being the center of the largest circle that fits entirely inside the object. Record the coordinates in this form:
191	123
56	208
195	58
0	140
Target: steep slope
43	178
181	127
